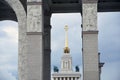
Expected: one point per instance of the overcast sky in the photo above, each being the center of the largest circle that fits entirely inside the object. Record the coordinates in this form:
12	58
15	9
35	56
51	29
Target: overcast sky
109	44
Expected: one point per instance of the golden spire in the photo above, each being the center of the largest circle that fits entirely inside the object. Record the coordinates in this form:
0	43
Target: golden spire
66	49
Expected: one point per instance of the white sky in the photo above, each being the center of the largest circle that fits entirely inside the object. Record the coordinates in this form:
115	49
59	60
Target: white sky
109	43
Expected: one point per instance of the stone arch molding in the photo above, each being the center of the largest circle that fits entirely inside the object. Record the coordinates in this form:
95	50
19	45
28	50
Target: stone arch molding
21	17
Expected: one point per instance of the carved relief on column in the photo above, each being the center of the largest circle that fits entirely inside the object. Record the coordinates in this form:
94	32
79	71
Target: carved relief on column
34	18
89	15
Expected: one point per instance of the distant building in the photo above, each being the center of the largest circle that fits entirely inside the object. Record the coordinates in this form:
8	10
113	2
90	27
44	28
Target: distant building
66	72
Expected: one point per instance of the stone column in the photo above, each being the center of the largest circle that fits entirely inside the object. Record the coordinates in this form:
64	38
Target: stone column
60	78
71	78
63	78
34	40
56	78
67	78
90	40
47	47
76	78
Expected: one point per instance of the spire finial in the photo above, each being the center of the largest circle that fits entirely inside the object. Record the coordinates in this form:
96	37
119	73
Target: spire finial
66	36
66	49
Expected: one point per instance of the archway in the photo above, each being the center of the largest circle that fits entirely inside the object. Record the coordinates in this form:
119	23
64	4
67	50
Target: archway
58	22
21	17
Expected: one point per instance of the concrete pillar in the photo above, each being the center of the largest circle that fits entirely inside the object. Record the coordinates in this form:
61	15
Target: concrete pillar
56	78
71	78
67	78
34	40
21	17
90	40
76	78
60	78
63	78
47	48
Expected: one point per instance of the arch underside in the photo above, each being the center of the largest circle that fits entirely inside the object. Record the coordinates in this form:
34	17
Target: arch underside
59	6
14	10
6	11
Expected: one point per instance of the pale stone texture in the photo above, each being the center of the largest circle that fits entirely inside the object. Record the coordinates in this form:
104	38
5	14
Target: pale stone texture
66	63
89	12
21	16
35	48
90	40
34	57
34	18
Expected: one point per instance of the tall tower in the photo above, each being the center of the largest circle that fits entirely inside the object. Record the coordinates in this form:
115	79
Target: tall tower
66	72
66	60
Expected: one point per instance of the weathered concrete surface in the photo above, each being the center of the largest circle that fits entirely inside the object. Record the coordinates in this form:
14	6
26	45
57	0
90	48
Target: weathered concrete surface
90	40
34	57
90	56
34	18
35	40
21	16
89	16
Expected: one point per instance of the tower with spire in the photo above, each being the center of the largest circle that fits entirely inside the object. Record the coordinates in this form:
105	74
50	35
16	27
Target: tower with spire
66	71
66	49
66	60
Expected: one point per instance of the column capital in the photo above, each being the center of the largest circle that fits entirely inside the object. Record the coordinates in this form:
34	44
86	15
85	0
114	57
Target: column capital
34	0
89	32
34	3
34	33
